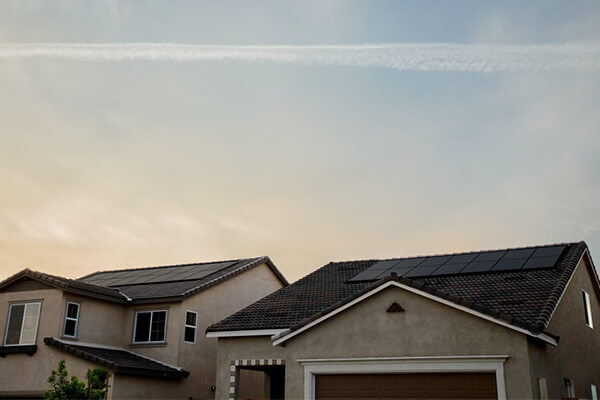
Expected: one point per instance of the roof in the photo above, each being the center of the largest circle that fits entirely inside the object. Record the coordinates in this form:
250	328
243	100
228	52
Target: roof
121	361
69	285
175	282
524	298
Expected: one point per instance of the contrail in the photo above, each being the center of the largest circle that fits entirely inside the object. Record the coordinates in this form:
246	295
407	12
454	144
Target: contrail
399	56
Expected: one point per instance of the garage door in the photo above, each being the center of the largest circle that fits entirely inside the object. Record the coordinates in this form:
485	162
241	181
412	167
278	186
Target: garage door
406	386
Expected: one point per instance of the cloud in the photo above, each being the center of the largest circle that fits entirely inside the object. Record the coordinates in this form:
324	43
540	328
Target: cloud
399	56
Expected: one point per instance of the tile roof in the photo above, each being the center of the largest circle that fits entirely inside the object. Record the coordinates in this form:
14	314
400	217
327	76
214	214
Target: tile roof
525	298
70	285
121	361
179	289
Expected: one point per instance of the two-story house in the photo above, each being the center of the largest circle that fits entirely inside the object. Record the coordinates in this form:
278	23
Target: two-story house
144	325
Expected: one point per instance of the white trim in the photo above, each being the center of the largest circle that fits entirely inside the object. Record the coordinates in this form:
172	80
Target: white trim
423	364
185	325
150	329
588	309
37	322
67	318
284	337
256	332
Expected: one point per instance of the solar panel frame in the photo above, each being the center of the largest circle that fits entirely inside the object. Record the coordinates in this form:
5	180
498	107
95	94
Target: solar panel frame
435	260
518	253
490	256
462	258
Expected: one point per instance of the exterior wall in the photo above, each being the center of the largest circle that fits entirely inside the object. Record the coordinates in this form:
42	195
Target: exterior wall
577	355
213	305
132	387
426	328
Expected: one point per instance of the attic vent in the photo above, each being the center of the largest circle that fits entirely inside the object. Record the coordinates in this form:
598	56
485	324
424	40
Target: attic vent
395	307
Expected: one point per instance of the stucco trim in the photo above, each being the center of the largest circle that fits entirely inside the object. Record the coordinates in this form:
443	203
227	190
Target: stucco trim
423	364
257	332
286	335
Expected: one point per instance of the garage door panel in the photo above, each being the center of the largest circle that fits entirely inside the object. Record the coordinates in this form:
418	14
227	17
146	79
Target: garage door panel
407	386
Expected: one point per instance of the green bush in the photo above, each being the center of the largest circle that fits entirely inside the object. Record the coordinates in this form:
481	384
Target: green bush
65	389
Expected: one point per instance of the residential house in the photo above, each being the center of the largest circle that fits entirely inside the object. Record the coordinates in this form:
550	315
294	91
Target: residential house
145	325
504	324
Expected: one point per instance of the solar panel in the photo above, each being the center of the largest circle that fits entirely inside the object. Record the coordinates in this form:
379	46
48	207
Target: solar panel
436	260
507	264
154	275
478	266
449	269
519	253
466	263
462	258
540	262
490	256
421	271
548	251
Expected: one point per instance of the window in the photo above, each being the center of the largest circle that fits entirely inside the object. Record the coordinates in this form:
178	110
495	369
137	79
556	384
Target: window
594	392
150	326
71	320
588	309
189	335
22	324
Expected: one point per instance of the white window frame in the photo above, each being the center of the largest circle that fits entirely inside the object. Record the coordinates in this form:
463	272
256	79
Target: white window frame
37	323
67	318
588	309
390	365
150	330
185	325
594	391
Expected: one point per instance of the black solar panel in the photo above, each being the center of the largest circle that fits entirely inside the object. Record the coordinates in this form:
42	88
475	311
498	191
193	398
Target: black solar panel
165	274
478	266
467	263
421	271
449	269
507	264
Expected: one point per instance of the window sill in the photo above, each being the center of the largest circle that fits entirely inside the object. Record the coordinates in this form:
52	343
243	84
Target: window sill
28	349
71	338
137	345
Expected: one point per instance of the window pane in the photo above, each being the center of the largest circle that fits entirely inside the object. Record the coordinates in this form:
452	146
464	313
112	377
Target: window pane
190	334
15	323
30	323
142	327
158	326
70	327
190	318
72	310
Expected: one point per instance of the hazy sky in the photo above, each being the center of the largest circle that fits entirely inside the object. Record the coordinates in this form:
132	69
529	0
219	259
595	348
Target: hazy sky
107	164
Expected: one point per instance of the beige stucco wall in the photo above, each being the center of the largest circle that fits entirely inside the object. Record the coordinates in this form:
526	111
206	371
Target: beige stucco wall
427	328
577	355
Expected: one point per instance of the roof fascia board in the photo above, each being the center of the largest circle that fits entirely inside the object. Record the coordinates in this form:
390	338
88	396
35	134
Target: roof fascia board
255	332
376	290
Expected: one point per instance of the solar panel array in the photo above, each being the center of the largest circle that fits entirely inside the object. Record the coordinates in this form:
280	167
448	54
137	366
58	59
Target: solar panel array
156	275
466	263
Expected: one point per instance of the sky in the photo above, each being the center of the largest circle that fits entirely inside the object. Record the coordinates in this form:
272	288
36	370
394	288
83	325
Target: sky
346	154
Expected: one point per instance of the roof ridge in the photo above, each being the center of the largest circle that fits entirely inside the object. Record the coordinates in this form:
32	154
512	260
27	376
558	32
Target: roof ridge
166	266
455	253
